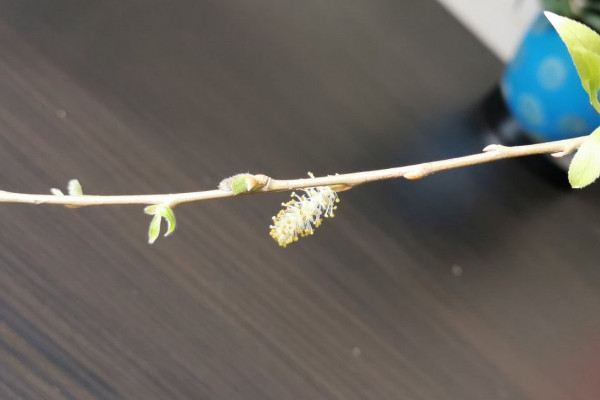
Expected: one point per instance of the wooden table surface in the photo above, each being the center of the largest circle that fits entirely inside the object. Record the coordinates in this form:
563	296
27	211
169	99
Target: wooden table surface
481	283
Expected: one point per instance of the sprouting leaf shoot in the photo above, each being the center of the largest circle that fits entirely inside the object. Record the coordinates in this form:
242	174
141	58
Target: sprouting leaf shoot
160	211
241	183
74	188
154	229
585	167
167	213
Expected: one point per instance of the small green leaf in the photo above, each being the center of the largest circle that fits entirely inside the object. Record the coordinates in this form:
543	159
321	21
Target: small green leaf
160	211
167	213
245	183
584	46
74	188
239	184
56	192
585	167
154	229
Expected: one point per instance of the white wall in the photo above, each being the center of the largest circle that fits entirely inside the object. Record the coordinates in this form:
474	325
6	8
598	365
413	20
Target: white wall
499	24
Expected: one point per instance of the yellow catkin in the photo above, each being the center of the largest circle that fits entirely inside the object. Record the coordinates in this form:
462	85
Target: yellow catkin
303	214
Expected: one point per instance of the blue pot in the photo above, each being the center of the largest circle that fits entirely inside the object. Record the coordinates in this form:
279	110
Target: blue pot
542	89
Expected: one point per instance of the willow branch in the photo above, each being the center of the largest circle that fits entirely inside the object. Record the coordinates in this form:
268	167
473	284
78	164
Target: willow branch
338	182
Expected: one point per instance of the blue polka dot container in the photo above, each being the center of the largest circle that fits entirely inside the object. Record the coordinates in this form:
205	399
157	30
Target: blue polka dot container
542	89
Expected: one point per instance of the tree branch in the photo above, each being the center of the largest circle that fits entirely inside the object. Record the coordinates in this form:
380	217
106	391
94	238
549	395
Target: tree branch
338	182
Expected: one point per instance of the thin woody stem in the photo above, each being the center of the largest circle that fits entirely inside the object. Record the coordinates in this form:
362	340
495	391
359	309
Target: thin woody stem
339	182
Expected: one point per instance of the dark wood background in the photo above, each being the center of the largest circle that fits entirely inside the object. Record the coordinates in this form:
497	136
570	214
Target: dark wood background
481	283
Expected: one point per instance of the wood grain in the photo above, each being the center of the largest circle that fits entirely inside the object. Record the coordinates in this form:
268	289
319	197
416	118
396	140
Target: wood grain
481	283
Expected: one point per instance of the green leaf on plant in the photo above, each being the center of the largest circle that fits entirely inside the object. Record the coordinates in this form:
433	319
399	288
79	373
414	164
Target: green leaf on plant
160	211
74	188
243	183
167	213
56	192
154	229
239	184
585	167
584	46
